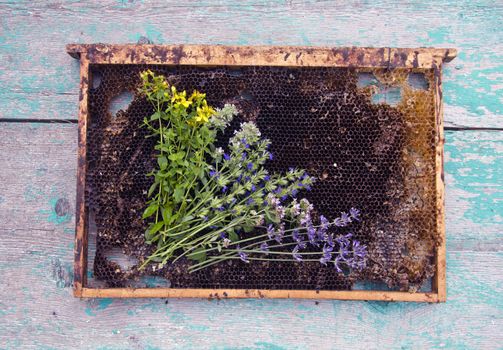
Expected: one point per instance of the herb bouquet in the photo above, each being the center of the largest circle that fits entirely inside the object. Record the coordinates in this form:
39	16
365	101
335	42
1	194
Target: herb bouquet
212	204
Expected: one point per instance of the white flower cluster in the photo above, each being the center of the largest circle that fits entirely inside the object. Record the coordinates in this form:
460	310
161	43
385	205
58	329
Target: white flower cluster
248	134
223	116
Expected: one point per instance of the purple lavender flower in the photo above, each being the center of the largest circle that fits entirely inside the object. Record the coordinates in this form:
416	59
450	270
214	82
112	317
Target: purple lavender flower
355	214
330	240
311	235
205	218
250	166
243	256
214	174
295	253
253	188
270	231
284	198
224	189
223	235
324	223
264	247
246	144
250	201
324	261
272	200
243	156
337	263
301	244
344	240
267	178
327	255
280	212
342	220
221	208
305	218
294	193
359	250
322	231
227	157
278	237
296	235
271	157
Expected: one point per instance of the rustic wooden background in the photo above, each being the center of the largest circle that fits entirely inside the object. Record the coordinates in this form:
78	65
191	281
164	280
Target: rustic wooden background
38	134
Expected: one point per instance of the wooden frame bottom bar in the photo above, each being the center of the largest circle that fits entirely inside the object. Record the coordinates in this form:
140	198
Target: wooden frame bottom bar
256	293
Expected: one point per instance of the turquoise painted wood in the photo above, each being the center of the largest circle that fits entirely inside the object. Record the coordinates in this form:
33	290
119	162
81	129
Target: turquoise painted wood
38	164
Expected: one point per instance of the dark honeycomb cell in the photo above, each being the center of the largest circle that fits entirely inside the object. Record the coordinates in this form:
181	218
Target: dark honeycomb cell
375	157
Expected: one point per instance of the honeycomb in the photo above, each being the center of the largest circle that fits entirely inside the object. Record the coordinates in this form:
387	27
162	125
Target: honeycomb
375	157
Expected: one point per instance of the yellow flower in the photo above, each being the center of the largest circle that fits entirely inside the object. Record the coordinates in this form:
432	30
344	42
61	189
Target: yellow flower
179	99
196	95
146	74
204	113
182	101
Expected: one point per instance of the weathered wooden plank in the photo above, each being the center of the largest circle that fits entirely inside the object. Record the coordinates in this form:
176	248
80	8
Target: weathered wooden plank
47	315
38	164
39	161
33	62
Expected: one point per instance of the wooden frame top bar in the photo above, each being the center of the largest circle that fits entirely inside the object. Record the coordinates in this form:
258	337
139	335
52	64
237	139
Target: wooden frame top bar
304	56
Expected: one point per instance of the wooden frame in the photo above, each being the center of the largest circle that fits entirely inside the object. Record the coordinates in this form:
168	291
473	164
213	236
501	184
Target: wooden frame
387	58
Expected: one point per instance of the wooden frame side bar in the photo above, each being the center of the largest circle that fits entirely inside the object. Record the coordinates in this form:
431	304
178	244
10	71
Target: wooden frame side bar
80	262
439	281
288	56
258	293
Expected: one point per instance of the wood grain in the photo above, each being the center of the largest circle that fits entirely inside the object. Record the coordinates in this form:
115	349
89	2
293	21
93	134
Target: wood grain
37	307
41	81
38	173
275	56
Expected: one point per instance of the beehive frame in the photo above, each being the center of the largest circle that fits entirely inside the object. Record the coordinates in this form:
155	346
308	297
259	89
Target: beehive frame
202	55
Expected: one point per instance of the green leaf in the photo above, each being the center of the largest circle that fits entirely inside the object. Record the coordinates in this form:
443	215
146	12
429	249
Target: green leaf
152	188
187	218
155	228
155	116
166	213
248	229
233	236
178	194
176	156
198	254
163	162
270	217
151	209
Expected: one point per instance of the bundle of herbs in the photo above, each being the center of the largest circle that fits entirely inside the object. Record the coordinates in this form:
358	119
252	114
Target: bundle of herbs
211	204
